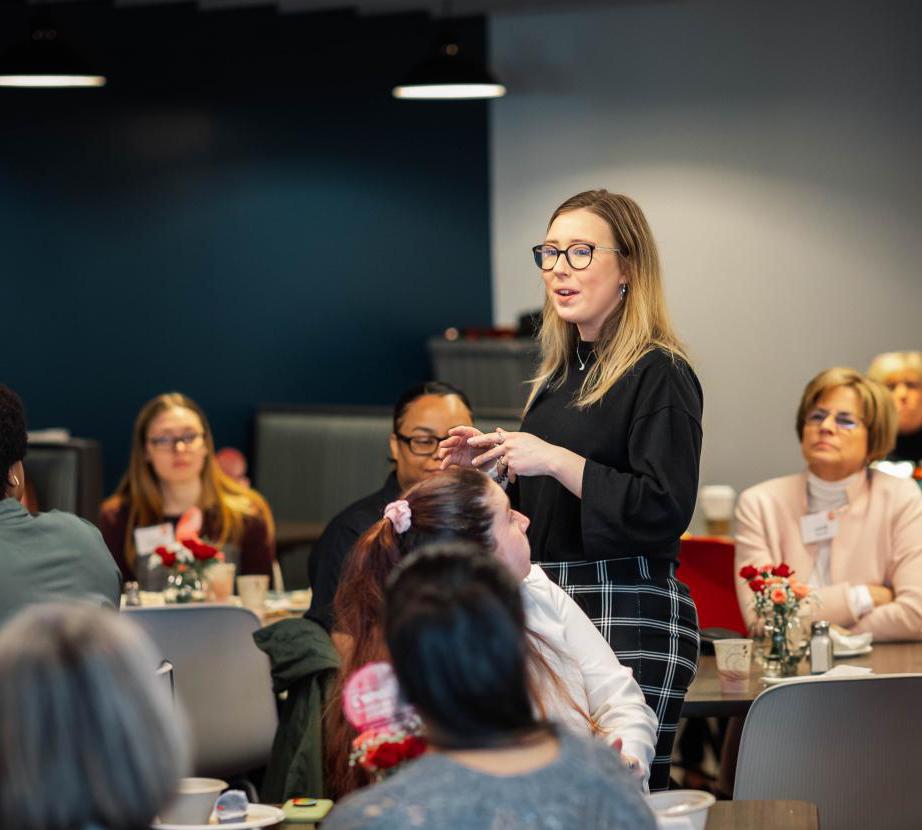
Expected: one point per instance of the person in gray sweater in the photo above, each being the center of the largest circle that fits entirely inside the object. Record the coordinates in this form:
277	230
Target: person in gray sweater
44	556
455	629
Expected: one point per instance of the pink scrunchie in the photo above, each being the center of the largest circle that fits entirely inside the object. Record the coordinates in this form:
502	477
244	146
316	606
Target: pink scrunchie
399	514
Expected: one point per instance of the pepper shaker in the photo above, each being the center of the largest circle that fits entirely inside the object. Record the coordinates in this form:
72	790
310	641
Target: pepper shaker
820	648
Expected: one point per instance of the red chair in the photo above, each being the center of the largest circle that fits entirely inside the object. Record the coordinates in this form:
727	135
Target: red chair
706	566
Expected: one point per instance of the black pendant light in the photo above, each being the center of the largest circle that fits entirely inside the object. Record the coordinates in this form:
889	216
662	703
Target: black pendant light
46	61
449	77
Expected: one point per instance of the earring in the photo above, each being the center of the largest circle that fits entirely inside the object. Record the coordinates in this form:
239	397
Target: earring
623	290
15	481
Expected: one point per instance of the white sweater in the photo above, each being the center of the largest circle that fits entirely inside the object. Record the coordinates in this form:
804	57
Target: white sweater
594	677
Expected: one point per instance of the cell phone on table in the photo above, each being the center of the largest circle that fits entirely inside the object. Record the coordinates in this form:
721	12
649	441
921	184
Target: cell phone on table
307	810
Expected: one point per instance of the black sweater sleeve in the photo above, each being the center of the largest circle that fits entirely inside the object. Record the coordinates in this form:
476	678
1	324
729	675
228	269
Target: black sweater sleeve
650	500
653	504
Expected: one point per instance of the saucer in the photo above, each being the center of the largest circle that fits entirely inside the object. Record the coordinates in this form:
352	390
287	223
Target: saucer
258	815
853	652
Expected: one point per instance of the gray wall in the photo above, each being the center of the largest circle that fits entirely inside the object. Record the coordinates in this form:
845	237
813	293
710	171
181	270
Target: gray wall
775	150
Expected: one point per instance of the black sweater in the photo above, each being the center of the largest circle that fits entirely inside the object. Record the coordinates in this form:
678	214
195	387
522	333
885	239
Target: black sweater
642	444
328	556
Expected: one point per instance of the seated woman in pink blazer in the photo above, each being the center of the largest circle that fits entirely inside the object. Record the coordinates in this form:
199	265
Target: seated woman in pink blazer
852	534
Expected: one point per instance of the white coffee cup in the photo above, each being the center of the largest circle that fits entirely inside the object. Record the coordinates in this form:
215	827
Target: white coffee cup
194	801
685	808
252	589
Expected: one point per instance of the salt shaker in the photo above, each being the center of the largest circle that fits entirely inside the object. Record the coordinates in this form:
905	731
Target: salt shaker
132	594
820	648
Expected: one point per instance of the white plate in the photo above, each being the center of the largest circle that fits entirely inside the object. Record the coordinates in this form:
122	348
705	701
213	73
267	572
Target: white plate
772	681
258	815
853	652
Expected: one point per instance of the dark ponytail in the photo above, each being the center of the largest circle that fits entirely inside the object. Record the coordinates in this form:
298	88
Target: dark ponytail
455	630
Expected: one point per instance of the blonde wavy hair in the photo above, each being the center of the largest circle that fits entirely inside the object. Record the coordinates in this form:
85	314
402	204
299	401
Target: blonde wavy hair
888	363
639	324
139	487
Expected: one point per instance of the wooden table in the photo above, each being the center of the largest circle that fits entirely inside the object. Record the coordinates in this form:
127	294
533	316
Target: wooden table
763	815
726	815
705	699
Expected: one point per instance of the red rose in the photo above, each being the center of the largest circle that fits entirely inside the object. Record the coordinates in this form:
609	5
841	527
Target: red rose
413	747
199	549
781	570
757	585
385	756
167	557
748	572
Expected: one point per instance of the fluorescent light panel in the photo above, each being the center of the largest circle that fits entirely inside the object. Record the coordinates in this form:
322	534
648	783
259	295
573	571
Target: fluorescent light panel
446	92
51	81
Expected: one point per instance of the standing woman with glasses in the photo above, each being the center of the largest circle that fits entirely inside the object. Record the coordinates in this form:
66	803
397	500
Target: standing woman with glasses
172	468
606	461
864	565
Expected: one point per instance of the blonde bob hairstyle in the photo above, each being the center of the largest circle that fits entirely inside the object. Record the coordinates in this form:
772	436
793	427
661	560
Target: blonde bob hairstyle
90	737
139	487
877	409
888	363
639	323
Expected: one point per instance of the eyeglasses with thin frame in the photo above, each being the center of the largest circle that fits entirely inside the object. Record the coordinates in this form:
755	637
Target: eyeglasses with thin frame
579	255
421	444
170	443
843	420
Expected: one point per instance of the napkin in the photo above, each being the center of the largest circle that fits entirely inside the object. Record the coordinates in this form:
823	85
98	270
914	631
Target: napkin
847	671
849	642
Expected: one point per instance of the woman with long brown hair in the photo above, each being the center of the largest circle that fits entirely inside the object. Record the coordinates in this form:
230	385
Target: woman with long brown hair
577	678
606	460
172	468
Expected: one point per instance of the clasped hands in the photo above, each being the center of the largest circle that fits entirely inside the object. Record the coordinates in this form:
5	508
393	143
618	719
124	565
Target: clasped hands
516	453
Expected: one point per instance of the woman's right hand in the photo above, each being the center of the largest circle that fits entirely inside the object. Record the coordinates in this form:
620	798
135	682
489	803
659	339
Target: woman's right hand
455	449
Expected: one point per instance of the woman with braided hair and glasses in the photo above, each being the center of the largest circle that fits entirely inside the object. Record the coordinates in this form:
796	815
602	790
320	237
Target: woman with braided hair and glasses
606	460
577	678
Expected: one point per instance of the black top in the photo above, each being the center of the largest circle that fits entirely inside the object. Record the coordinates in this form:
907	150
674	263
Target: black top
325	565
642	444
908	448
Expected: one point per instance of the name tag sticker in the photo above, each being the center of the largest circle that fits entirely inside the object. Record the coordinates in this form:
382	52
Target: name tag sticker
818	527
148	539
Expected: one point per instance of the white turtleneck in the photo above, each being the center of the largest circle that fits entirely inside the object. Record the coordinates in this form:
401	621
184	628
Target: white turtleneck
825	496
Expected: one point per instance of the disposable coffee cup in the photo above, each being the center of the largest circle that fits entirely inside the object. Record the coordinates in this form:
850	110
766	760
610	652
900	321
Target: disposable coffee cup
220	579
734	663
717	503
253	590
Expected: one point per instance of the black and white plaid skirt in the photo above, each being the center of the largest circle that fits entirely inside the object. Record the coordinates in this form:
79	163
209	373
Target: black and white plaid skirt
650	621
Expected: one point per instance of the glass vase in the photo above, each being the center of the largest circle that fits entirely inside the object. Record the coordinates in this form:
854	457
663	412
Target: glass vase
782	650
184	586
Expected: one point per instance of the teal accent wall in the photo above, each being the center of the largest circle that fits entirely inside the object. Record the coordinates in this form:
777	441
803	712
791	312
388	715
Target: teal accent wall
243	214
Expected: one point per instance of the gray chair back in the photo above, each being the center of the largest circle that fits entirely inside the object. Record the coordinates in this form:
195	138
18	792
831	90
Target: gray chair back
66	475
311	462
222	680
849	746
